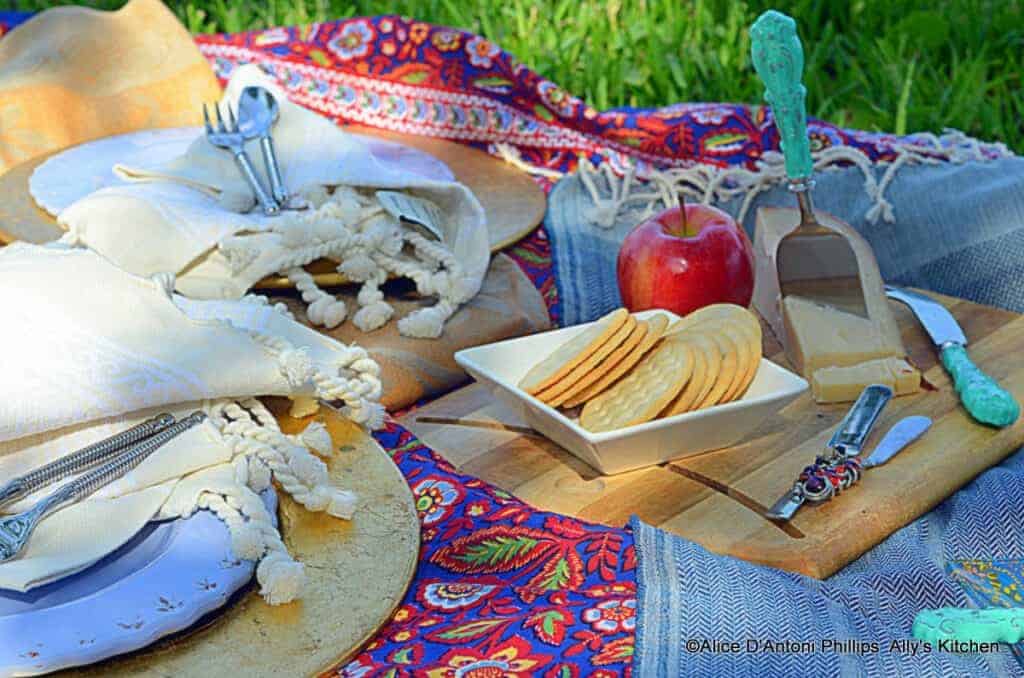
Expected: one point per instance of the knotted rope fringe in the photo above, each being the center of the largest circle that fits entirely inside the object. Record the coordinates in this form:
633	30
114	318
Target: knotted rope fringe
370	246
708	183
261	452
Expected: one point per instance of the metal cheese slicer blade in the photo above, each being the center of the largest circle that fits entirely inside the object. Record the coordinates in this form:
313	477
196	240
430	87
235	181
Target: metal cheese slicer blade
15	530
813	261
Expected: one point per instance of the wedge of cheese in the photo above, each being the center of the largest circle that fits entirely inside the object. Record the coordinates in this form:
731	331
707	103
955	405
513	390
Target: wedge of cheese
844	384
822	336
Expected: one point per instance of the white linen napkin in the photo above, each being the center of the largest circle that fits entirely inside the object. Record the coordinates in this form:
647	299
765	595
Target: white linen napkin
193	216
93	341
91	348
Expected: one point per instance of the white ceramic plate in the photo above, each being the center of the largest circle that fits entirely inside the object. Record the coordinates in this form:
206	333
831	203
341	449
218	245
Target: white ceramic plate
501	365
165	579
80	170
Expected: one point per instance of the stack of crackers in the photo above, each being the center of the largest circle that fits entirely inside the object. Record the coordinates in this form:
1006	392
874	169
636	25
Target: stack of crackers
625	371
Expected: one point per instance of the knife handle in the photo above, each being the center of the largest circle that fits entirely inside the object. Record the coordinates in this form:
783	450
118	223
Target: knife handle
778	58
982	397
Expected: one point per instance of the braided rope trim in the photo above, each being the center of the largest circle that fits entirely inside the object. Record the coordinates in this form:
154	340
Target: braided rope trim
370	246
261	453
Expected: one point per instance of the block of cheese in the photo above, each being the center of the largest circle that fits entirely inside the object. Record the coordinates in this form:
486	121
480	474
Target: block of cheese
844	384
821	336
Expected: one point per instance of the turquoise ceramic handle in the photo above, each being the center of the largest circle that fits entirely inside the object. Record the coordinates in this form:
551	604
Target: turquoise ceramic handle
779	60
983	398
991	625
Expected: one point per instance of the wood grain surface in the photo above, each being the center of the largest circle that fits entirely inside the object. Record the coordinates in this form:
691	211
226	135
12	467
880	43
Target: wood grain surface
357	573
717	499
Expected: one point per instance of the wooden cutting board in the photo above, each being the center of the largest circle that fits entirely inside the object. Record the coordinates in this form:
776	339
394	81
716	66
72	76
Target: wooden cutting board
717	499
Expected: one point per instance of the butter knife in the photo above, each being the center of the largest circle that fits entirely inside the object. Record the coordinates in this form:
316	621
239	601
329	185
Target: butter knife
896	439
903	432
981	396
846	443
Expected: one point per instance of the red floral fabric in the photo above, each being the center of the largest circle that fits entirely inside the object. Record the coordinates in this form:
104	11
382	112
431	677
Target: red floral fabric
502	589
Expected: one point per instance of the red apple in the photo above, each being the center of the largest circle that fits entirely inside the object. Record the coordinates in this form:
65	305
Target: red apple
684	264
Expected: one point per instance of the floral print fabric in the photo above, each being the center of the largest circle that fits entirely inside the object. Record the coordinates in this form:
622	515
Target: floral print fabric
502	589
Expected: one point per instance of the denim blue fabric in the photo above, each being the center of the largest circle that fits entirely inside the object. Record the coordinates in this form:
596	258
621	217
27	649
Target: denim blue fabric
959	230
685	593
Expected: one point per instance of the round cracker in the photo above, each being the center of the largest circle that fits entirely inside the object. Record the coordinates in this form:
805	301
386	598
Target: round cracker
592	362
739	319
749	320
739	336
656	326
728	352
570	354
707	363
644	392
605	366
754	349
745	358
713	312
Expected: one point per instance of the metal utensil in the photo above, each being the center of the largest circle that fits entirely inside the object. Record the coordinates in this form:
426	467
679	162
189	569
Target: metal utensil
903	432
838	468
15	530
228	137
982	397
812	261
81	460
257	113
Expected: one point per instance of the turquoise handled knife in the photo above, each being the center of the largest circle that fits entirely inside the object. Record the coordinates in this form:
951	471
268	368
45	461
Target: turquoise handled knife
981	396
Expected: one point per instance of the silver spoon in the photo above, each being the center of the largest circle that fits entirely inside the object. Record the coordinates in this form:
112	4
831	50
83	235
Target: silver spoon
257	113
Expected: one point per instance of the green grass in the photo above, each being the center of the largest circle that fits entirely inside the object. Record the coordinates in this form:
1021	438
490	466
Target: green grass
893	65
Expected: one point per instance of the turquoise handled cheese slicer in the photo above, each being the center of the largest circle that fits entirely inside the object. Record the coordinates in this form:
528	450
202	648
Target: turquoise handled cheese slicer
804	253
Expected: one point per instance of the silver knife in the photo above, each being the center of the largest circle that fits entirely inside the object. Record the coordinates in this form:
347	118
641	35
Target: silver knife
981	396
896	439
846	443
903	432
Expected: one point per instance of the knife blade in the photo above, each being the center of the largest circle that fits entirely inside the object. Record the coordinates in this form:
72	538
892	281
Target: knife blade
981	396
940	325
904	432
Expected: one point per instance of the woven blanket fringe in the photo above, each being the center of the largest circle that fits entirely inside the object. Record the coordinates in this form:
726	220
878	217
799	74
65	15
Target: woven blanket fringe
630	181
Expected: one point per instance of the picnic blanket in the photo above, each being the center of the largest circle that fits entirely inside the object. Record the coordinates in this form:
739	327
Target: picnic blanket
960	555
505	589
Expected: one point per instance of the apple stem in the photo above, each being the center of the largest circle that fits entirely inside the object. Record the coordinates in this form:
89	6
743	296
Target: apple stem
681	203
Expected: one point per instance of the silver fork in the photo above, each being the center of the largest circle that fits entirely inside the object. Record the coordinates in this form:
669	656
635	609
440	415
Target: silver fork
15	530
228	137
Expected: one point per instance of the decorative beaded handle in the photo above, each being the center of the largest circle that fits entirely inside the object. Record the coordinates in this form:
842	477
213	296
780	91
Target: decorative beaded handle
779	60
82	487
85	458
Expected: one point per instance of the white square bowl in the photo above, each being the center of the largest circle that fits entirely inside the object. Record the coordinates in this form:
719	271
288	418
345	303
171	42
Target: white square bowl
501	365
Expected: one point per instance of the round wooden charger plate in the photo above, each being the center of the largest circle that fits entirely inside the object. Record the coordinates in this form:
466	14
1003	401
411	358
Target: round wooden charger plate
357	572
513	202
